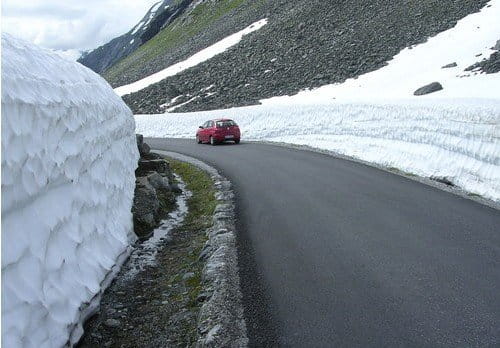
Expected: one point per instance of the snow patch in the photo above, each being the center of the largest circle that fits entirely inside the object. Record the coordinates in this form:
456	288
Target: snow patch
68	159
194	60
182	104
137	28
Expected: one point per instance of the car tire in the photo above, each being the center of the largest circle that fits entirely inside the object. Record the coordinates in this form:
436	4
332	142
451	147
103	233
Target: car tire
212	141
237	141
198	140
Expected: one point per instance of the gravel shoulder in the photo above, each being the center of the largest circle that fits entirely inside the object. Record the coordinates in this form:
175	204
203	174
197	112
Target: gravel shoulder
190	295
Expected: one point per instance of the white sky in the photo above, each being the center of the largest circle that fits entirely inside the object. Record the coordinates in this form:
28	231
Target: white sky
71	25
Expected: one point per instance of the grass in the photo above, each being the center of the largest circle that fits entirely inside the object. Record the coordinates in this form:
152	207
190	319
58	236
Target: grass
191	241
178	32
202	203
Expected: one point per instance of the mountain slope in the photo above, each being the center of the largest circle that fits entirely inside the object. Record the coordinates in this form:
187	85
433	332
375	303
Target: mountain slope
201	24
306	44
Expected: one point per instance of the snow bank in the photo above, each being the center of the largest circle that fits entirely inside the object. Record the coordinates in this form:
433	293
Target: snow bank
68	160
458	139
194	60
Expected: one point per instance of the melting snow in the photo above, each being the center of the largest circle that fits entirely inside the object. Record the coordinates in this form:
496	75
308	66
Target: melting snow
194	60
145	254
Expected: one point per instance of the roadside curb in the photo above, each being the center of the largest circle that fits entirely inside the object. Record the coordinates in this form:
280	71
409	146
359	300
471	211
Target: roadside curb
220	321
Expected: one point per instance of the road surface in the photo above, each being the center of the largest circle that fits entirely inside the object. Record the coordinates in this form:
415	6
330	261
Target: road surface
337	253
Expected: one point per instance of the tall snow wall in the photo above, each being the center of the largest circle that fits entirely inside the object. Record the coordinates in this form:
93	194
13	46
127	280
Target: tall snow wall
68	159
454	138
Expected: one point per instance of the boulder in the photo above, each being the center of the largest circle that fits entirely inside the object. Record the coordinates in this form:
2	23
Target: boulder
145	207
143	148
158	182
451	65
156	165
430	88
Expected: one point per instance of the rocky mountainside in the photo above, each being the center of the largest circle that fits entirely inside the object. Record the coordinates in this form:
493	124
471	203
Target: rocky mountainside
306	44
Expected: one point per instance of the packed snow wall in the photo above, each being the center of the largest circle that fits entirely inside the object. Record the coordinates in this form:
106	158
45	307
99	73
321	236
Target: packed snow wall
454	138
68	159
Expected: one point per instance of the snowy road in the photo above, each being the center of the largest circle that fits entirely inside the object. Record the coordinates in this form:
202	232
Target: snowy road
336	253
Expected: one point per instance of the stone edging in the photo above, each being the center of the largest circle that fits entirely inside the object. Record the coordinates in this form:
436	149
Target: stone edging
220	321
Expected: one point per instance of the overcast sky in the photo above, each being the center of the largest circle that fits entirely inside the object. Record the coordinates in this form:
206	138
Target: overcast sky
72	25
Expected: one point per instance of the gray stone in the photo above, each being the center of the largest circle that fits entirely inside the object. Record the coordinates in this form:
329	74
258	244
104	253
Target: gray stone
442	180
158	182
188	276
497	46
430	88
112	323
202	297
175	188
451	65
144	149
157	165
145	206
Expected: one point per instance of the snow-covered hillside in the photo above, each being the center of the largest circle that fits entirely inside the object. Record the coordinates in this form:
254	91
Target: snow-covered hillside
68	159
453	133
194	60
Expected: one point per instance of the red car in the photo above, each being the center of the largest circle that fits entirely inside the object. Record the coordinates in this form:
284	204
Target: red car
218	131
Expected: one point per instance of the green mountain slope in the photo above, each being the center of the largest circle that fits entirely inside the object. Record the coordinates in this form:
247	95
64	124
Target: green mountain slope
201	25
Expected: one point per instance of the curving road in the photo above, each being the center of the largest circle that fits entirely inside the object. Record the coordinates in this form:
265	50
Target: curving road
337	253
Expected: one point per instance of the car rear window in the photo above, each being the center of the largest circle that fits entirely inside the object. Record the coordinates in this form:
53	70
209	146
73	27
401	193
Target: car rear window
222	124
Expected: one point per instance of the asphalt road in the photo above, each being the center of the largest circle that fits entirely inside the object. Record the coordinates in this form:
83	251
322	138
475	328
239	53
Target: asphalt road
337	253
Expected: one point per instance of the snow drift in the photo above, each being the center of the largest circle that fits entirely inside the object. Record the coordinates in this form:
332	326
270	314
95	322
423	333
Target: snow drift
68	159
458	140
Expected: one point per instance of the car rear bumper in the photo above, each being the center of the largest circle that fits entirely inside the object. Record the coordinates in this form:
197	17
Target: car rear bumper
226	137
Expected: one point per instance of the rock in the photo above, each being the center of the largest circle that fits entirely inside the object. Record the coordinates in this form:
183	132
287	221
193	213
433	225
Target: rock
157	165
442	180
451	65
158	182
96	335
488	66
430	88
203	296
497	46
145	206
175	188
140	139
143	148
112	323
188	276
